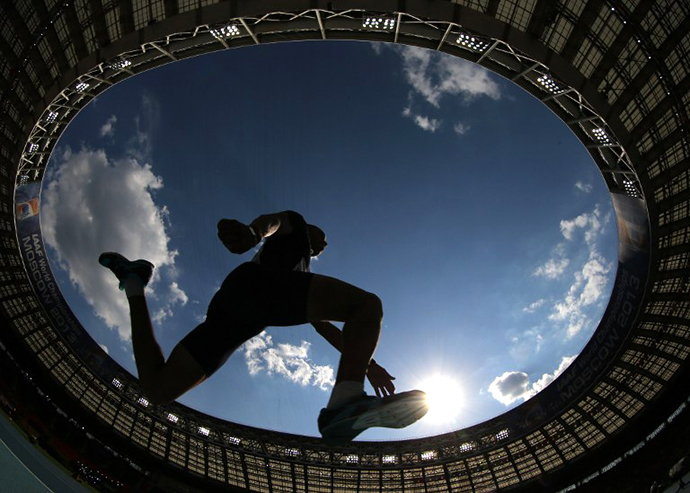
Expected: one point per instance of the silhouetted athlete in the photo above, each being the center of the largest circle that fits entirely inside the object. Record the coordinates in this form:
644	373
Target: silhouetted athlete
274	289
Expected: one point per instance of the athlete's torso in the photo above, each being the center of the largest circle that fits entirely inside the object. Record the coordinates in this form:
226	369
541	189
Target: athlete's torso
290	251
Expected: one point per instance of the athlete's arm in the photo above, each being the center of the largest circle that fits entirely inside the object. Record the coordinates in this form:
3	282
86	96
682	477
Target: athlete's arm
331	333
238	237
379	378
271	224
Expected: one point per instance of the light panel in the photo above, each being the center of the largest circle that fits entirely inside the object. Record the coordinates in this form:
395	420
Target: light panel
229	31
389	459
82	86
472	42
429	455
120	64
602	137
549	84
382	23
630	188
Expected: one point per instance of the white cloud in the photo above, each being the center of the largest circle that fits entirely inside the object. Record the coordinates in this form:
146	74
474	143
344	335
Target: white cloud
583	187
509	387
94	204
287	360
433	76
533	307
593	223
587	288
461	128
104	348
512	386
423	122
589	281
160	315
547	378
108	128
552	269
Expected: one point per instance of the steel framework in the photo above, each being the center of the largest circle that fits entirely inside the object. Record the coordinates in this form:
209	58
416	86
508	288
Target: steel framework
617	73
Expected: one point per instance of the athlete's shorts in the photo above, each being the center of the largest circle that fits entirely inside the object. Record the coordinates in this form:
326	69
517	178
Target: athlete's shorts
251	298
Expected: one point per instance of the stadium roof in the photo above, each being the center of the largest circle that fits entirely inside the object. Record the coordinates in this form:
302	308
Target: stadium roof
617	73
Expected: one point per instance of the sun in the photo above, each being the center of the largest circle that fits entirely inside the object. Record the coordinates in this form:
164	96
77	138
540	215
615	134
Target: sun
445	398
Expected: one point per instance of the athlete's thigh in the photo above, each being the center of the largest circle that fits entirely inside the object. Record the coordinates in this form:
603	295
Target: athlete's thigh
332	299
179	374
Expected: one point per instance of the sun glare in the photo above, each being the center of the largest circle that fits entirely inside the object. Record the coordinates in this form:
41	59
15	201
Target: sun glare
445	398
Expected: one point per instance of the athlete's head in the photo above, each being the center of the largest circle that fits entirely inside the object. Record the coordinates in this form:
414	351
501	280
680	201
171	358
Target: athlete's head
317	238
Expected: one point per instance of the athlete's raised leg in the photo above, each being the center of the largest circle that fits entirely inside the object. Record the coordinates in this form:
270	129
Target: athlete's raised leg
334	300
350	411
162	381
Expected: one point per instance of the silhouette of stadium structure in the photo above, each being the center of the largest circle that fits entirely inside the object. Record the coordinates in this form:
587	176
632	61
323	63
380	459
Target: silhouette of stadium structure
617	73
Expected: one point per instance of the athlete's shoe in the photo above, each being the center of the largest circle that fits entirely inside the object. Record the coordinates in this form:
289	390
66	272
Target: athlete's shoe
124	269
342	424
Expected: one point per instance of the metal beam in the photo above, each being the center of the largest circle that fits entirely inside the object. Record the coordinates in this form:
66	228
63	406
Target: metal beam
251	33
75	31
612	54
641	79
54	42
126	17
581	29
320	21
545	13
99	23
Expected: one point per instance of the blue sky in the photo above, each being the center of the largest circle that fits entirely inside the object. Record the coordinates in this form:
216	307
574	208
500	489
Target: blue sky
469	208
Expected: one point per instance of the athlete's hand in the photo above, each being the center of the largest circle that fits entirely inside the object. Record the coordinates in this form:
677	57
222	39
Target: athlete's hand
236	237
380	379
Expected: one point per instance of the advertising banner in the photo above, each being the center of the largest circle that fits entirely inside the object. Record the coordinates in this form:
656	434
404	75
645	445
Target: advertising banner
28	207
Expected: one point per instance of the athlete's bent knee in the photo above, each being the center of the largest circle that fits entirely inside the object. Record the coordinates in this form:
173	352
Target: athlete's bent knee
370	305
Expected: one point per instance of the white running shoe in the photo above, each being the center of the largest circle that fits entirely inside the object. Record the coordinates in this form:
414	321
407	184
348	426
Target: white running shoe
342	424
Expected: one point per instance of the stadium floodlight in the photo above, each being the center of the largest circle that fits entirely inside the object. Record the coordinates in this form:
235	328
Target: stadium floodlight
472	42
466	447
117	384
82	86
429	455
24	179
549	84
33	147
120	64
389	459
601	136
233	440
352	459
204	431
382	23
172	418
291	452
142	401
229	31
630	188
51	116
503	434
